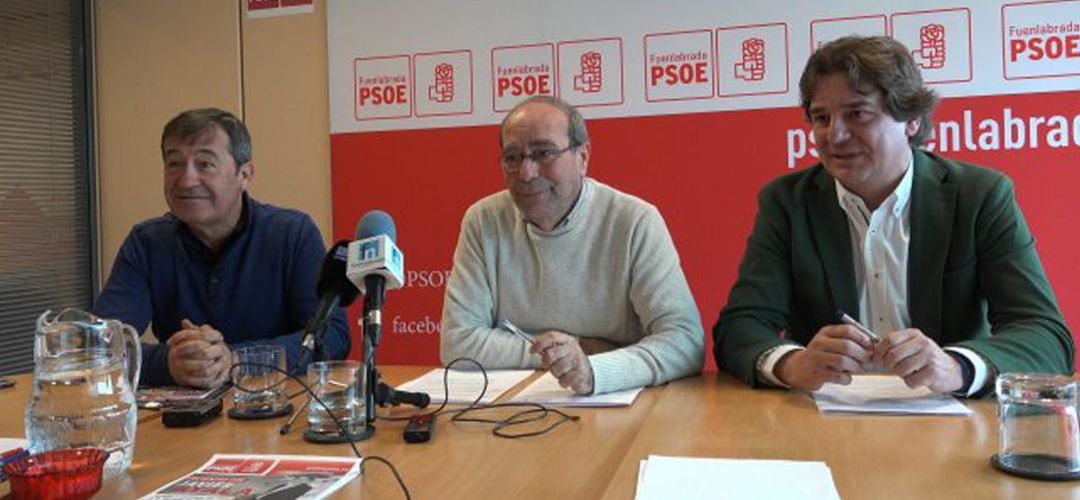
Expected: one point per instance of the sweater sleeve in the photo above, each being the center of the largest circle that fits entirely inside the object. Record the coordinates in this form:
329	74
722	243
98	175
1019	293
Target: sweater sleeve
302	274
126	297
468	318
674	344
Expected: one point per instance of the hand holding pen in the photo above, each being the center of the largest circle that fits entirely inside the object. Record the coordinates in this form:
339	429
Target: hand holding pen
561	354
512	328
832	356
848	320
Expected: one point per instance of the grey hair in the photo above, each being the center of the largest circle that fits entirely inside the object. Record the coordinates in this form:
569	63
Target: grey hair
577	132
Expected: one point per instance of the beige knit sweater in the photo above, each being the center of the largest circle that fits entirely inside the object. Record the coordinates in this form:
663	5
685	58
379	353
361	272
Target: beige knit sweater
610	270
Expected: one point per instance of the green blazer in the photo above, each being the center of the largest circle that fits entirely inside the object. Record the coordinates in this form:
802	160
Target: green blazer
974	278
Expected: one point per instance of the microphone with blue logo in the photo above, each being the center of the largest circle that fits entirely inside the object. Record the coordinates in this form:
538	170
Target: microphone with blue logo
375	265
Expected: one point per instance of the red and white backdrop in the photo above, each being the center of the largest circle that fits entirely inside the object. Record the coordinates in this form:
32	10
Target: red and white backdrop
690	105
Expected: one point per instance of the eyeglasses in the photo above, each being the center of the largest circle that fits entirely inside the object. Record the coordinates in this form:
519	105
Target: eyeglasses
513	160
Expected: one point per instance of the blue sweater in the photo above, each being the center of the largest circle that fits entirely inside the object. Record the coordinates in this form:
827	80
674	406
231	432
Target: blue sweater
260	288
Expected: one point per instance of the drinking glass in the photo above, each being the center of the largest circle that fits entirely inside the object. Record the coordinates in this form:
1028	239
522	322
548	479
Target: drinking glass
1037	417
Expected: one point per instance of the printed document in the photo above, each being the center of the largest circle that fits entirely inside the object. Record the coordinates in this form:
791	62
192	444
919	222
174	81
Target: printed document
465	385
546	391
885	394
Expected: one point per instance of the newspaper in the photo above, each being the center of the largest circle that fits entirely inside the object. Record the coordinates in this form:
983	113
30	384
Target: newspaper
277	477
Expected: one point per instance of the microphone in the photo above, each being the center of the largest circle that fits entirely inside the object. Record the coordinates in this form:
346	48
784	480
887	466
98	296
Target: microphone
375	264
386	395
374	253
334	289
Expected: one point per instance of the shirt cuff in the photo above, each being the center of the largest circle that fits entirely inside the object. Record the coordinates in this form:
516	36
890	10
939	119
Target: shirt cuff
767	363
981	370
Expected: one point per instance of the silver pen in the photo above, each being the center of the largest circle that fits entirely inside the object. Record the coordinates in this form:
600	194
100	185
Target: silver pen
848	320
506	324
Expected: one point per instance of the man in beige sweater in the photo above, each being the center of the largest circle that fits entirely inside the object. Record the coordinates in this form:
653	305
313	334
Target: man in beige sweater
589	272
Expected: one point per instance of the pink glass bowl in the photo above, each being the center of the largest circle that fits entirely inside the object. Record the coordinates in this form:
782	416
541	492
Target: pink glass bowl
57	474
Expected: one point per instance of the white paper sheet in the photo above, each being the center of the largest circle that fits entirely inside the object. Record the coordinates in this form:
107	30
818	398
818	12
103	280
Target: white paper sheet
707	478
546	391
885	394
465	385
8	444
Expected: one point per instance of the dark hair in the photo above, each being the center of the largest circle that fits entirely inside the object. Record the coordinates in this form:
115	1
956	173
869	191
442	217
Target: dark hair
879	61
193	122
577	132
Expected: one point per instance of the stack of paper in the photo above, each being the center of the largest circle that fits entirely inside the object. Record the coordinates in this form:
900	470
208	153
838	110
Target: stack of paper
692	478
546	391
465	385
885	394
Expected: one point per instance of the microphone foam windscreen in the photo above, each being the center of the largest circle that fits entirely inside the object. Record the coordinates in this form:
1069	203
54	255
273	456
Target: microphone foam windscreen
375	223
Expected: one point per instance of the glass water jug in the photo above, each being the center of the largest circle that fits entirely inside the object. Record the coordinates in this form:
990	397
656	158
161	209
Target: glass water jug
86	370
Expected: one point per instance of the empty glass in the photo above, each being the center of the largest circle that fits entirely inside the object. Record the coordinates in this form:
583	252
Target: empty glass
1037	415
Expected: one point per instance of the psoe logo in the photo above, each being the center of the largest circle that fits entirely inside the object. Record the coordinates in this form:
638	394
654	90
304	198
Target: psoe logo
752	65
591	78
931	51
443	89
426	278
1041	39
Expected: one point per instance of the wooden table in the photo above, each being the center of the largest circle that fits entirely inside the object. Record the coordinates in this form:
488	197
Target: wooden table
870	456
597	457
462	461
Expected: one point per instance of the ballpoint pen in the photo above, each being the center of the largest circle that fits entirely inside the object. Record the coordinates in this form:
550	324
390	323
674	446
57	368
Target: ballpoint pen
848	320
285	428
506	324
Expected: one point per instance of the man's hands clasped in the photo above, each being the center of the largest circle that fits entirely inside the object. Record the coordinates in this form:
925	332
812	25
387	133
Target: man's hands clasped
198	356
838	351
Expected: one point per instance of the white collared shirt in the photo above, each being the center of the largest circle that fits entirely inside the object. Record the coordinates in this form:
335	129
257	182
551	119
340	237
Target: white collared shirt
880	240
879	250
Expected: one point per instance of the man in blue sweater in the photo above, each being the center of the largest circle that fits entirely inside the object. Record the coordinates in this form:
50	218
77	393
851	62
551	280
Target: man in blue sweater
219	269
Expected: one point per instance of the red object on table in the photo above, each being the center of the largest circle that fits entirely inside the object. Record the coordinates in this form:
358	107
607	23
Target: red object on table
57	474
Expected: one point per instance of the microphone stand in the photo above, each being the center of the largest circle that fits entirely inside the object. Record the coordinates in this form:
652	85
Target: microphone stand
372	333
377	393
318	353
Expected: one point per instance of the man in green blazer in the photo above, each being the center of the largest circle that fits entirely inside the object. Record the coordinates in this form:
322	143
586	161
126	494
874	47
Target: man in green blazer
931	254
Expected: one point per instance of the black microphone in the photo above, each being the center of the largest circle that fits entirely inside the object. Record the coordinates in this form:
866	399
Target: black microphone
334	289
386	395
